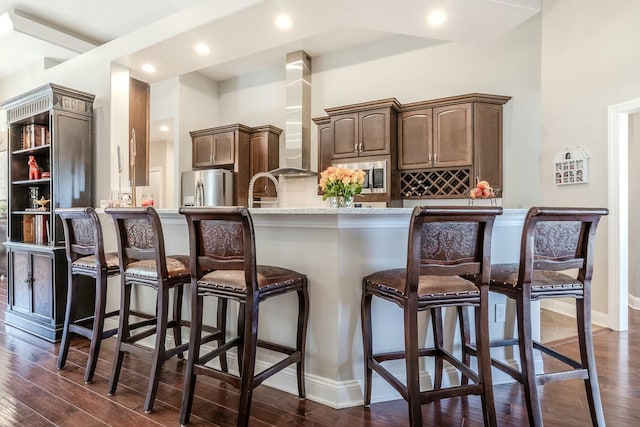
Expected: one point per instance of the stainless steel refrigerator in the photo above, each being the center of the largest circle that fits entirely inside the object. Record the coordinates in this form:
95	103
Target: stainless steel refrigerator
208	187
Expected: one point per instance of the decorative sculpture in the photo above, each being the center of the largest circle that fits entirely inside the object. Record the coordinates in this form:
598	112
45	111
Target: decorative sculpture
34	170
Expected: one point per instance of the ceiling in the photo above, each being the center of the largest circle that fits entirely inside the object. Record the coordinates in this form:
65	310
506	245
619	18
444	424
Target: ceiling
240	34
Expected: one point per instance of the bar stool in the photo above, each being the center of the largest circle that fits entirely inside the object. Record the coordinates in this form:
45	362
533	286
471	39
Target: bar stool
143	262
444	243
553	240
86	257
223	240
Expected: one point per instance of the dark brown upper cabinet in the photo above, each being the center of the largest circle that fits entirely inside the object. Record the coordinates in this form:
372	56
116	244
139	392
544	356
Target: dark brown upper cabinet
363	130
265	156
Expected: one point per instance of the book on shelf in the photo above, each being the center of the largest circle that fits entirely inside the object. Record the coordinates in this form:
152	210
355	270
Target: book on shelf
27	229
35	136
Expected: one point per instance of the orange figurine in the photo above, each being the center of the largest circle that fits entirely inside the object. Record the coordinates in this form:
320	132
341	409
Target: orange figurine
34	170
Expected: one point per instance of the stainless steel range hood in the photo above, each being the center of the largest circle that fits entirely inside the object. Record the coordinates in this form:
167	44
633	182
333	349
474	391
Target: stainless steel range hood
297	137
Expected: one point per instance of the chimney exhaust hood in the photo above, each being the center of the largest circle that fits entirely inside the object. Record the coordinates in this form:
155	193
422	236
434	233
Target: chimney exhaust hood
297	137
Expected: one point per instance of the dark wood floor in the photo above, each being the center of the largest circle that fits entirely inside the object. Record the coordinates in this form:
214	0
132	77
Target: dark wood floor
34	393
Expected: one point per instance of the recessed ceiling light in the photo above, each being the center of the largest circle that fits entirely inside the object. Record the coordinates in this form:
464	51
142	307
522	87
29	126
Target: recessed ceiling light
283	22
164	128
148	68
437	17
202	49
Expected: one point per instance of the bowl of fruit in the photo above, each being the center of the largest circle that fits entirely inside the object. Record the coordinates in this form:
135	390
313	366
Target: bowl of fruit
483	190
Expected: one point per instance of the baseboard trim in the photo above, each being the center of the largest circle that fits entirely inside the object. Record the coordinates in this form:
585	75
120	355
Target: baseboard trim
634	302
569	309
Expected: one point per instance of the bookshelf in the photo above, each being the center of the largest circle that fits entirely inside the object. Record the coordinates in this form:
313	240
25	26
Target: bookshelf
50	155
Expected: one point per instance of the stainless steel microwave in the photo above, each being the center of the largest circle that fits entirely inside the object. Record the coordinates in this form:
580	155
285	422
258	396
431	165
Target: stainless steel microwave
375	177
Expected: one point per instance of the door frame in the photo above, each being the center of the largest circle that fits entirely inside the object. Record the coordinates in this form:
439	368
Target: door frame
618	245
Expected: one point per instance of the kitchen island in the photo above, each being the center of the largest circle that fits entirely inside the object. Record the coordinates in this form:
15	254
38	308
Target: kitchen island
336	248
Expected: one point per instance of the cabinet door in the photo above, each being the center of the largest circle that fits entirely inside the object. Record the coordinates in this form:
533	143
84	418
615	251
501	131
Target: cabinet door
415	139
374	132
223	148
453	135
345	135
42	275
325	144
20	281
262	161
202	151
488	143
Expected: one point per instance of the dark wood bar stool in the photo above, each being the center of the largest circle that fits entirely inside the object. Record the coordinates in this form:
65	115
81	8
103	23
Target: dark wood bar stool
444	243
86	257
553	240
143	262
223	241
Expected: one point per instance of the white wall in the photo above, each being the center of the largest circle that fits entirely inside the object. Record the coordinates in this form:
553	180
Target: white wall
590	61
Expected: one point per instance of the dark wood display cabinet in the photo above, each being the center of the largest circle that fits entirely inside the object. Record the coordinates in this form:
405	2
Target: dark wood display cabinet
50	166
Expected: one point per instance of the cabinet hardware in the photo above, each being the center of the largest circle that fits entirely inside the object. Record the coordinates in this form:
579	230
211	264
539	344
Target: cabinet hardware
355	147
429	157
361	147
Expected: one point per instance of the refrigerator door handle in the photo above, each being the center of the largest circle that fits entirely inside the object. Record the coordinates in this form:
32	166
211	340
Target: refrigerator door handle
200	193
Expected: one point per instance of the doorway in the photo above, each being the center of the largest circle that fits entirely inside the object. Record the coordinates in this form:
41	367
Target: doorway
618	244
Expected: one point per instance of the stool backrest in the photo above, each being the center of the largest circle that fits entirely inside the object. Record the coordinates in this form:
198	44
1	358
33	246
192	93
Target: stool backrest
82	234
449	241
222	238
559	239
140	237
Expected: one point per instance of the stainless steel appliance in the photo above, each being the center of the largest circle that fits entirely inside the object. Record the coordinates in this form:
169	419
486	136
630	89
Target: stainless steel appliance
207	187
375	178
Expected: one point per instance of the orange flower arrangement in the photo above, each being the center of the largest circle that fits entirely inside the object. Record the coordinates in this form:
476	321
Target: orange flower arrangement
337	181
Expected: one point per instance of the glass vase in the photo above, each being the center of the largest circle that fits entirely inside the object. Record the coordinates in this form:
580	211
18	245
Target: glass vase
337	201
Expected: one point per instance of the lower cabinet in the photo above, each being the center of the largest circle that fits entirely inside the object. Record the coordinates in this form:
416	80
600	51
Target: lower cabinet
38	290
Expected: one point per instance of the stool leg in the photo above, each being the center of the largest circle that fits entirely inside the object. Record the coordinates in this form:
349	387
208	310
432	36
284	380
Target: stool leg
303	316
483	356
365	311
587	356
98	325
123	334
465	339
221	323
436	323
69	318
177	317
412	363
525	343
159	350
241	336
193	355
248	360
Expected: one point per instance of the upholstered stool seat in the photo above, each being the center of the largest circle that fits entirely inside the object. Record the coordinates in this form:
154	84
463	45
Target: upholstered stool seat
89	263
86	258
506	277
429	287
446	244
270	279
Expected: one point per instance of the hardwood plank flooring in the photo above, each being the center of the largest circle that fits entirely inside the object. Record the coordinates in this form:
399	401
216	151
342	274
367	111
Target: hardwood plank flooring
33	392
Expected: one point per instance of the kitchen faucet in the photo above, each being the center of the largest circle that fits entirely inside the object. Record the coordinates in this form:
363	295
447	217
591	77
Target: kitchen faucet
253	180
